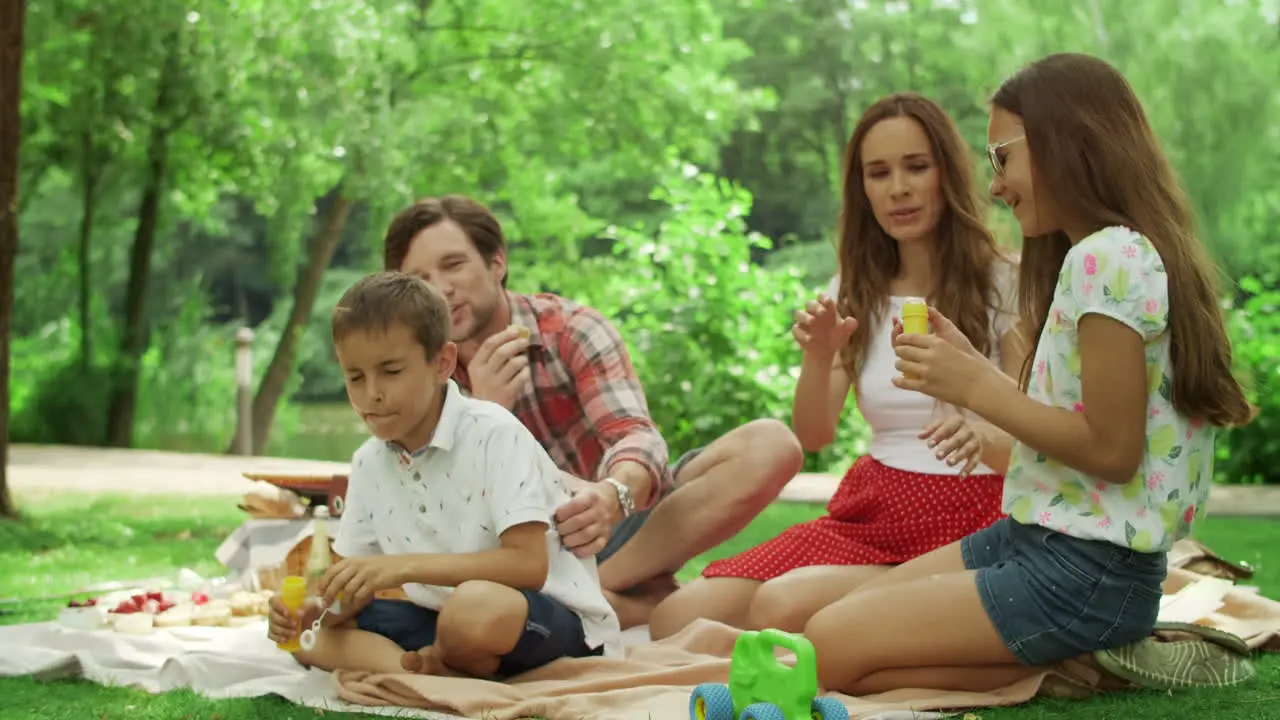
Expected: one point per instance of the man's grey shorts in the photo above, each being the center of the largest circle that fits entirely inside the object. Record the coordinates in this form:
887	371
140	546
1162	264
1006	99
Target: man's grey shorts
630	526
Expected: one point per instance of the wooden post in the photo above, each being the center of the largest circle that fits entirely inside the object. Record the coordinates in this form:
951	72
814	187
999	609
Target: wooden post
244	391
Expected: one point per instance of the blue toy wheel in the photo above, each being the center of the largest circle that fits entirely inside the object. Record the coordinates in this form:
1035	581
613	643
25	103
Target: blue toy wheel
711	701
829	708
762	711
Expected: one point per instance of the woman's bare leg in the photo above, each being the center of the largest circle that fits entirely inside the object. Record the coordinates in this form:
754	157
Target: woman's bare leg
722	599
787	602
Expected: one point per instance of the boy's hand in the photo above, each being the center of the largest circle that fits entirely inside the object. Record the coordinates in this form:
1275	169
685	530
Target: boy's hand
283	624
356	579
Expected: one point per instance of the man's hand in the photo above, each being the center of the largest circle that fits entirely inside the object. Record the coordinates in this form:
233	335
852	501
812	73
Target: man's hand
499	372
586	522
356	579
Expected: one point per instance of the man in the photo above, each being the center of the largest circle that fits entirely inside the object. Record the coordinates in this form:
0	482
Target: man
565	372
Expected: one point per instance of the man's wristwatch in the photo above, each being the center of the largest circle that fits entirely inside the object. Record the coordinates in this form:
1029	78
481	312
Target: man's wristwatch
625	500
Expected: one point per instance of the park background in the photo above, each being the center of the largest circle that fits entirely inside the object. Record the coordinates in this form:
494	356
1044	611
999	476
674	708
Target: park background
188	169
191	168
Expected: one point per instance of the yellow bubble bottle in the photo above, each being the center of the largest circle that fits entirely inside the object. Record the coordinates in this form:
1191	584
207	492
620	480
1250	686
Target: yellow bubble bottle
915	316
293	593
915	319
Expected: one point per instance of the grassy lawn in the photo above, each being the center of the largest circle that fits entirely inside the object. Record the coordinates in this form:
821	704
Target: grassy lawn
67	543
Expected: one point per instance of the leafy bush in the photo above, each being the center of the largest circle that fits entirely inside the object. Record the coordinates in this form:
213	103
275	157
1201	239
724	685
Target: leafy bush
708	329
1251	455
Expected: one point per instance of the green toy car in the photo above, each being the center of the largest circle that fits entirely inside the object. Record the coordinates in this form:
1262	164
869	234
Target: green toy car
761	688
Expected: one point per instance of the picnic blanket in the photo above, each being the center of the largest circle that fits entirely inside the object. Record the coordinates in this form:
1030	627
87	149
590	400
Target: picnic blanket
653	680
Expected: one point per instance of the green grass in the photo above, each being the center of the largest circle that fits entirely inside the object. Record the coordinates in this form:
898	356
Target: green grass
66	543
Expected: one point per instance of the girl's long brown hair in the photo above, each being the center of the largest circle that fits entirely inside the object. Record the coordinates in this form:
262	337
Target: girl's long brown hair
964	251
1095	155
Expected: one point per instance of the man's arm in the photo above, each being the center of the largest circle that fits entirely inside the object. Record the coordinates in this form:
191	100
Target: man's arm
615	407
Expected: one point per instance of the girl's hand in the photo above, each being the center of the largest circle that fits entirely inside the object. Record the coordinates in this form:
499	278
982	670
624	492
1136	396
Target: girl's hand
942	328
936	367
955	442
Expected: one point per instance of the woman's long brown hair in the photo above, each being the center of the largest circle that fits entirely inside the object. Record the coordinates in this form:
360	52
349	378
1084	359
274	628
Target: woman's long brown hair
964	250
1097	163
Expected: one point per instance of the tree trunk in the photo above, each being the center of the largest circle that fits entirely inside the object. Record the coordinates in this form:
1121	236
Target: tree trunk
12	18
88	198
133	341
319	254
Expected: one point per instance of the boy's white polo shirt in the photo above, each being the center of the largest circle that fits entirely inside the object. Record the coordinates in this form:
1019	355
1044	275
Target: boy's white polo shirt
481	473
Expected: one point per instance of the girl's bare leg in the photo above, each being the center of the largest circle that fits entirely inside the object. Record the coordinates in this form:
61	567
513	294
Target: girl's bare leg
921	624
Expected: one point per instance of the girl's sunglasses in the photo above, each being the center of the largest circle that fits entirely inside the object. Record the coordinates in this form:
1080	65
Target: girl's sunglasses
993	153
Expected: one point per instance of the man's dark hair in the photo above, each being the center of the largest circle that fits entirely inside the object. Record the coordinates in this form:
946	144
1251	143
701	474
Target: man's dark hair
476	220
378	301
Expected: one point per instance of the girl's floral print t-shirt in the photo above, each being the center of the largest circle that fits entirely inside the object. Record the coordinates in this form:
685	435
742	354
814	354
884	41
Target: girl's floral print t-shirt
1117	273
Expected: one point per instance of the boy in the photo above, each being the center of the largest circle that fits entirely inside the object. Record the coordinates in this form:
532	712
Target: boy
452	498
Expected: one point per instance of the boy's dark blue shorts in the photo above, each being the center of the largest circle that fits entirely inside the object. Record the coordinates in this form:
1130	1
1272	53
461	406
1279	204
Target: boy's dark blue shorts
551	631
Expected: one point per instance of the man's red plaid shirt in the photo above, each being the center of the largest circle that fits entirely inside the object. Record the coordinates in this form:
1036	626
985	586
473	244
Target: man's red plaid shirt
585	403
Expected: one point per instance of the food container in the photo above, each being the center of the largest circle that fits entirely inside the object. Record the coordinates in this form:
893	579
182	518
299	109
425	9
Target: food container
83	618
139	623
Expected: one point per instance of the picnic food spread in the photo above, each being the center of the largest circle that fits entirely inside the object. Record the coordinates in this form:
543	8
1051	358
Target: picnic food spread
142	612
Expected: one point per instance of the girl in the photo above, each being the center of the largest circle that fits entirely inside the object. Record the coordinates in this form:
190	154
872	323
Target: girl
1112	442
912	226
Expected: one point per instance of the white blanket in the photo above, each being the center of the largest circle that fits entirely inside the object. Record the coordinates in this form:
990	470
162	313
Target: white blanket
215	662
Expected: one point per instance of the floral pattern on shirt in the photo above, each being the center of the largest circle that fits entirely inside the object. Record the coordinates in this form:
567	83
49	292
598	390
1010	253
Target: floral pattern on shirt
1116	273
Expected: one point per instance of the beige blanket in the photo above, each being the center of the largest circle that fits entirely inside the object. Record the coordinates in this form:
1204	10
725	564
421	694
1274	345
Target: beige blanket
655	680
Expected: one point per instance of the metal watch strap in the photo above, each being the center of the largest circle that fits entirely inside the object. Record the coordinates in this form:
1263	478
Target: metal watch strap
625	500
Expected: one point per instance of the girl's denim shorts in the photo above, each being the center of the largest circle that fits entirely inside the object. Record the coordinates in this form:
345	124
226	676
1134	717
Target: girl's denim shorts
1052	596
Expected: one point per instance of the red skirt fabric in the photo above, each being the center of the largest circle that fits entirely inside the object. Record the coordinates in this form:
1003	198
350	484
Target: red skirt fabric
878	516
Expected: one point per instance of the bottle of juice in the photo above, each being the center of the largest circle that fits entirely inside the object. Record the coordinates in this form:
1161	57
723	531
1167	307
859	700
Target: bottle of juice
319	559
293	593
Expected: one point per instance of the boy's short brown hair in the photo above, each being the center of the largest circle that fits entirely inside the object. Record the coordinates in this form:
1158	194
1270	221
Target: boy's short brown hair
378	301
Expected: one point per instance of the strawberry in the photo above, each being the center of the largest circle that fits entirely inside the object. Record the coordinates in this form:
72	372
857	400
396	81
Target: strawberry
126	607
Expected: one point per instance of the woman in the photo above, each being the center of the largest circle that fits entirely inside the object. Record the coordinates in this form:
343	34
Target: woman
911	226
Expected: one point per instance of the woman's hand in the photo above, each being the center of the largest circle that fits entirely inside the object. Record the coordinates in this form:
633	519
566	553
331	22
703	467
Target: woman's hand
955	442
819	330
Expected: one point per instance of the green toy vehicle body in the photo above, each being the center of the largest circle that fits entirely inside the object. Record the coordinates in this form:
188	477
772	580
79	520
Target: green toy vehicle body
761	688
